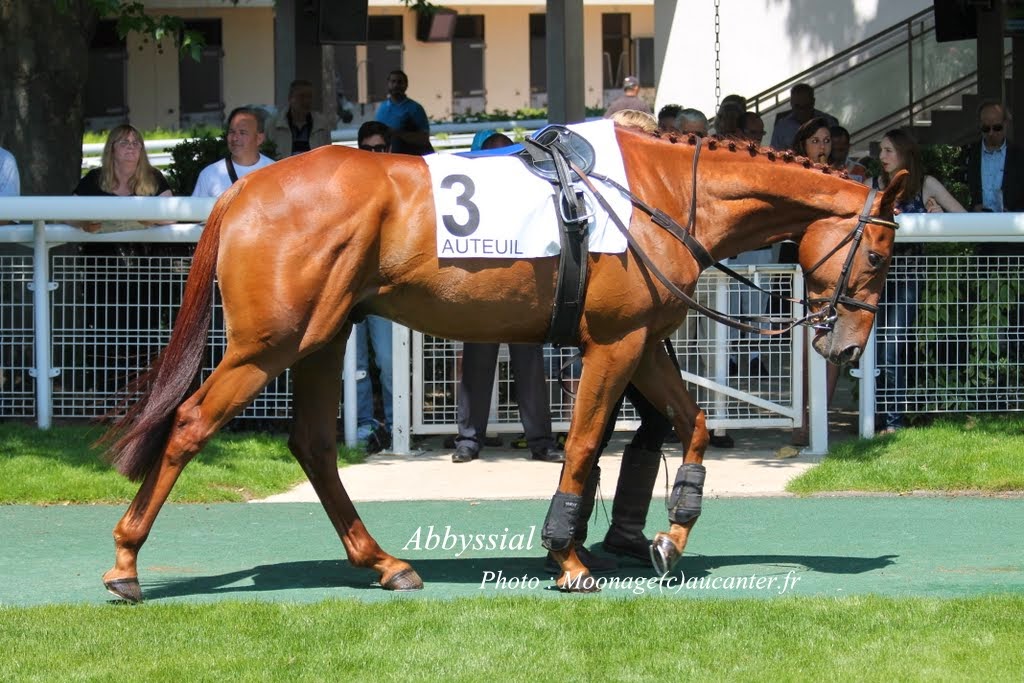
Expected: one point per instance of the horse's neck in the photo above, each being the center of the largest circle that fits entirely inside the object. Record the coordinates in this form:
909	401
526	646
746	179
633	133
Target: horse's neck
751	203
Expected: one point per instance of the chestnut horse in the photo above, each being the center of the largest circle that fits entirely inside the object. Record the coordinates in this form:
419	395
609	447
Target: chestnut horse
307	245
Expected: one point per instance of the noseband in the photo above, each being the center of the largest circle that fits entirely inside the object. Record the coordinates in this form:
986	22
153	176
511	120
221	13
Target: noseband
825	319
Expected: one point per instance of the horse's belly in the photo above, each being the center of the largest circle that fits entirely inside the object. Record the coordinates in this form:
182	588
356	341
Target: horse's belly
511	302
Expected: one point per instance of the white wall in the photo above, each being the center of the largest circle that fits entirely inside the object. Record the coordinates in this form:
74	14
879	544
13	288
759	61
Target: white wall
763	42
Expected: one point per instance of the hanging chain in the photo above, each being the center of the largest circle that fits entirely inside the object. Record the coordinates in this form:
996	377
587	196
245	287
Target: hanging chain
718	61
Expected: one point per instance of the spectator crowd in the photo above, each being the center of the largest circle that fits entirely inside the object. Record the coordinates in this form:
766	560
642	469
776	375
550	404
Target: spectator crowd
992	172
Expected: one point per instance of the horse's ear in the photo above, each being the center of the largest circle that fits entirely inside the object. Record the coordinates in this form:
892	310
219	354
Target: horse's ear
893	191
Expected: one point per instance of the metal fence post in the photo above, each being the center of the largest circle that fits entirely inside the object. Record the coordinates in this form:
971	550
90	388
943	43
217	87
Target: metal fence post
817	397
401	382
41	288
350	396
868	374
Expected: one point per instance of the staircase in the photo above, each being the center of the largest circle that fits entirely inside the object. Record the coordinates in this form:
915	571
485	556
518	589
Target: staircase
899	78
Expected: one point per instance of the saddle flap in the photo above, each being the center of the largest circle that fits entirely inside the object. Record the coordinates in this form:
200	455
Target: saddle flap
557	139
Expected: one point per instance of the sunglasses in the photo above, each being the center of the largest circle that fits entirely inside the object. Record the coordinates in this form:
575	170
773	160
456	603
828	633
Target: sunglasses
374	148
997	128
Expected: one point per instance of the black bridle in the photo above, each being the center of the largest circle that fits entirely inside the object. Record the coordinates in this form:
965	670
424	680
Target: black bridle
825	319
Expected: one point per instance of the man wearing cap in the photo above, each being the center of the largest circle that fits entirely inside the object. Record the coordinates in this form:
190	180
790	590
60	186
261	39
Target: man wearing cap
630	98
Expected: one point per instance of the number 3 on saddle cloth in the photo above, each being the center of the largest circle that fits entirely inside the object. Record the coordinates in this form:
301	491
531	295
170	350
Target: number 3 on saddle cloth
489	205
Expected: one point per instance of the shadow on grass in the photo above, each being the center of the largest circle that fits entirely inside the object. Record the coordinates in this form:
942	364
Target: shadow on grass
321	574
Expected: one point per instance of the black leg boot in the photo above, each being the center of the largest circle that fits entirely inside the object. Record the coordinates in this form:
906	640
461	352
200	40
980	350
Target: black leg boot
633	494
594	563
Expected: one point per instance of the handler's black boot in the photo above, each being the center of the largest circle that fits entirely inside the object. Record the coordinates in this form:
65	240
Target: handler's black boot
633	493
594	563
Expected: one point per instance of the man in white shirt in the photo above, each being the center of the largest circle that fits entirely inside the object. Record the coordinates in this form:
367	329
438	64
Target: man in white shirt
245	135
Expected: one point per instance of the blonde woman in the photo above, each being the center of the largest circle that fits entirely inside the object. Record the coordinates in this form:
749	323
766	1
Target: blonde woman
125	171
633	118
115	300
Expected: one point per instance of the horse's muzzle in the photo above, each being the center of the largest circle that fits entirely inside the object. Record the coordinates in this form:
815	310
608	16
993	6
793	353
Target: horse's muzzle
823	343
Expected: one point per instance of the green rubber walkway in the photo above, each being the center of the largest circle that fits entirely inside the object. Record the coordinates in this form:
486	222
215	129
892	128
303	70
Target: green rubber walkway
742	547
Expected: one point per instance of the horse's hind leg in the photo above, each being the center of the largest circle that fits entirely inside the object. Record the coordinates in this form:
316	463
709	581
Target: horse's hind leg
657	377
231	387
313	442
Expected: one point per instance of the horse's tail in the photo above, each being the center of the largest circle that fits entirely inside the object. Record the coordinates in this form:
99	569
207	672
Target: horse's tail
135	441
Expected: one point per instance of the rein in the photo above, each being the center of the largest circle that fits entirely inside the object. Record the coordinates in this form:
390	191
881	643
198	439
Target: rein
824	319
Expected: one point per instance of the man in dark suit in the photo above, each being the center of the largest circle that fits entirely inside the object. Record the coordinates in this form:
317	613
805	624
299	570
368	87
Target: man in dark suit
995	168
995	178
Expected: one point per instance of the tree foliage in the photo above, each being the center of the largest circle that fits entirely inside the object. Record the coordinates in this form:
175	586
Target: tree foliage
44	56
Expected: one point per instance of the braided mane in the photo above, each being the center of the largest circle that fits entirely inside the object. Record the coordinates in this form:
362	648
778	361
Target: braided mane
713	143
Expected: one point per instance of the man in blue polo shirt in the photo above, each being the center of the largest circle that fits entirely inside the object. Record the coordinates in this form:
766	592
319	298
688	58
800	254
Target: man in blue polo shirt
410	129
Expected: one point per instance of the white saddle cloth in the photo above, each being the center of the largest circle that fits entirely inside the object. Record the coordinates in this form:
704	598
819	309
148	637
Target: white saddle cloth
493	207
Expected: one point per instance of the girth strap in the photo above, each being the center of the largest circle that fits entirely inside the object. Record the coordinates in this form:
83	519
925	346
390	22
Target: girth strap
573	220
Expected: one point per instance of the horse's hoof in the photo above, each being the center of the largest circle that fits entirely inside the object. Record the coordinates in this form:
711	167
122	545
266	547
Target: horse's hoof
128	590
404	581
582	583
664	555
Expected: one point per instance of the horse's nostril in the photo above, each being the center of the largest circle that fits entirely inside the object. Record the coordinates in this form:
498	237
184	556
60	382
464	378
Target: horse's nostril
850	354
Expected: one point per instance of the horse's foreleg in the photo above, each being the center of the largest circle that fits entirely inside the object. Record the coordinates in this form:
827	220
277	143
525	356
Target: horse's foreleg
317	390
657	377
606	372
225	393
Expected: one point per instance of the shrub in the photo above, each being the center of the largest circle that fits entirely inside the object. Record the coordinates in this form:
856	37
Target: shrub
191	156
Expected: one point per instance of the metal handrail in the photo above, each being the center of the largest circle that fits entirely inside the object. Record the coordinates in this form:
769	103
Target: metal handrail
754	103
928	101
864	55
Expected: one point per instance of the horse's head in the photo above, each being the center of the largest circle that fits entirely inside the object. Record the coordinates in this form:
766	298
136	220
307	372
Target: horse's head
845	262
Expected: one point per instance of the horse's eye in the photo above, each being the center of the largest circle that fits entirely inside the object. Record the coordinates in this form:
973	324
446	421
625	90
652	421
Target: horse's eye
875	259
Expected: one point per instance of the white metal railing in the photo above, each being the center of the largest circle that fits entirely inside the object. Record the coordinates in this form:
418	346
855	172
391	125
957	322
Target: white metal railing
732	400
96	397
965	305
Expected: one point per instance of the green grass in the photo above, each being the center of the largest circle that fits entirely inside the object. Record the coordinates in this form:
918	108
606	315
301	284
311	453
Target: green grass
662	639
983	454
59	466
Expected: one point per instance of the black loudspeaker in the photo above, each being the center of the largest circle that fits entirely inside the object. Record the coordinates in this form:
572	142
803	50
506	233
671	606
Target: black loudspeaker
955	20
342	21
437	26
